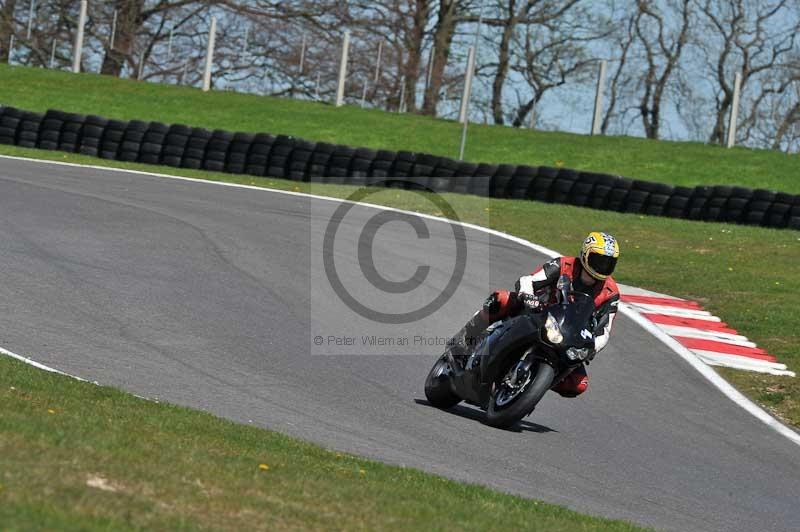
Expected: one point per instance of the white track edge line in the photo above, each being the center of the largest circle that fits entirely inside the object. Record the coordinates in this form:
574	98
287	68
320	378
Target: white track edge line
37	365
706	371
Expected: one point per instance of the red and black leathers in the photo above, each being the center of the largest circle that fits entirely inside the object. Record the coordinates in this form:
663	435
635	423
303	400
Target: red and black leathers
541	284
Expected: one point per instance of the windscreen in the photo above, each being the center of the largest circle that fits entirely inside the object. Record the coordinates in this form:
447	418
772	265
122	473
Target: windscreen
580	308
577	318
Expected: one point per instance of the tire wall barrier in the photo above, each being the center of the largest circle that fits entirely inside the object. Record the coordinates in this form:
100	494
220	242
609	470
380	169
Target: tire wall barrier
281	156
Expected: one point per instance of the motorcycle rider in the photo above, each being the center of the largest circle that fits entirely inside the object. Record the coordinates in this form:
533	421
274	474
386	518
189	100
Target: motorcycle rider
590	273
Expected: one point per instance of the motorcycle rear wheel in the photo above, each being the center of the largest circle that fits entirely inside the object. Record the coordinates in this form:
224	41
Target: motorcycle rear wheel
506	415
438	389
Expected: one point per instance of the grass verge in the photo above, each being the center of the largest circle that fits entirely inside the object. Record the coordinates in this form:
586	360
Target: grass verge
683	163
745	274
135	464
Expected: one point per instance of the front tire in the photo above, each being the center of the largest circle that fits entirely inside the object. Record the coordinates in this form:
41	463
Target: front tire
506	415
438	388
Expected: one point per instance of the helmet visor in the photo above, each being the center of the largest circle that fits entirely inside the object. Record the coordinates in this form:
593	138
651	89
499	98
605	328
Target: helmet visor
602	264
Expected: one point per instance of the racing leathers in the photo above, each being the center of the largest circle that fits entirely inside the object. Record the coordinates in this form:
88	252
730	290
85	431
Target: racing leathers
539	288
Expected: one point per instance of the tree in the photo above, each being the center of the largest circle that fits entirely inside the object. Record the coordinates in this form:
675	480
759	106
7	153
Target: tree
752	37
402	25
444	29
552	49
623	37
662	51
509	15
6	28
137	17
773	113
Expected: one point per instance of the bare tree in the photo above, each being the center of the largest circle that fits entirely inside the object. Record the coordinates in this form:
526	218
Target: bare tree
662	50
6	28
552	48
137	19
773	109
449	14
506	17
752	37
788	131
402	24
52	22
623	37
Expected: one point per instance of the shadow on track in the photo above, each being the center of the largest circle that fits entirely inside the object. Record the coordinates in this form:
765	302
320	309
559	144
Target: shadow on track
479	416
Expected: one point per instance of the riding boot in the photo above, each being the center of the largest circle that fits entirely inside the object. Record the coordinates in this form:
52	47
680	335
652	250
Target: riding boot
465	340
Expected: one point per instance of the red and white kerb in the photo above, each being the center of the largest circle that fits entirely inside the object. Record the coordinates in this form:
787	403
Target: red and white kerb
708	337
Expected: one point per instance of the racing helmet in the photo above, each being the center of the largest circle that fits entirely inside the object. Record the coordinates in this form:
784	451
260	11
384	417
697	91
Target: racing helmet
599	254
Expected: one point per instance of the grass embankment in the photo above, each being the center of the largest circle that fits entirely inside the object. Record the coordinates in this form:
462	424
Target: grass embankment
681	163
75	456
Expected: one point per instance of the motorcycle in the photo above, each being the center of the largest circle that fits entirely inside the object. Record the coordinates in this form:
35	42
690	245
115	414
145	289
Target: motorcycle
515	362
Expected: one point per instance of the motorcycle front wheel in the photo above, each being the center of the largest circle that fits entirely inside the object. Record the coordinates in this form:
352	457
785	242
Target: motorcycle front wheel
511	400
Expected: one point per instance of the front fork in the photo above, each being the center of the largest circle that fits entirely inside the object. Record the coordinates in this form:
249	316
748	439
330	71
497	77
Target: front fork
521	371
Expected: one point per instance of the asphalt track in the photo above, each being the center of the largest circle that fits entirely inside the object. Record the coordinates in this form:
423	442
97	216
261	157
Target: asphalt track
210	297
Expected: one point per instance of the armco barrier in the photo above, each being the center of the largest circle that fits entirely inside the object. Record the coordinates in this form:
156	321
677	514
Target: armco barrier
287	157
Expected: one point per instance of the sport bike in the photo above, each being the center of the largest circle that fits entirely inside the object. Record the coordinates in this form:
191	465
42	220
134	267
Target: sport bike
514	362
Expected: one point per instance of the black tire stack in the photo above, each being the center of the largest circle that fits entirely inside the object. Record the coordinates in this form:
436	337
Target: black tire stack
216	155
153	143
132	141
28	129
175	142
258	154
9	123
50	130
361	166
287	157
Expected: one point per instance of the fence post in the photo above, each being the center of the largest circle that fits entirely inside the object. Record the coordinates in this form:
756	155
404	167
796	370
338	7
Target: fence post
246	39
140	73
302	56
473	51
10	47
212	35
737	85
113	31
78	51
364	93
316	90
185	71
429	74
402	94
462	115
378	63
53	55
343	69
30	20
598	99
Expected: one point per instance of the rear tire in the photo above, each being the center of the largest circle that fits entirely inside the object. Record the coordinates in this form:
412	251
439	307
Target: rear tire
521	406
438	388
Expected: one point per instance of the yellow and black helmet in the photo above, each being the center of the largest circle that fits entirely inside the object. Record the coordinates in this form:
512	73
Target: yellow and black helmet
599	254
